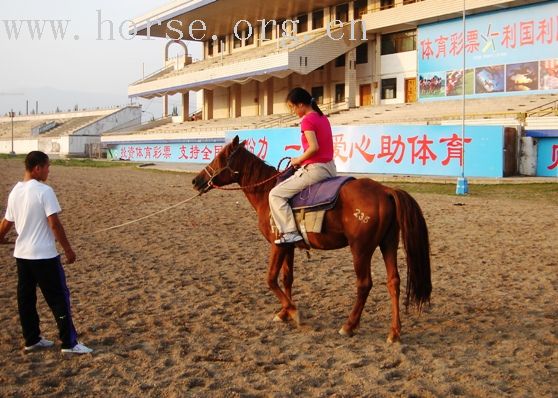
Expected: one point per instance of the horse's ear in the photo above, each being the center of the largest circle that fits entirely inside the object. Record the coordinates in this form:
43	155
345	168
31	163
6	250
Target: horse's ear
243	143
235	141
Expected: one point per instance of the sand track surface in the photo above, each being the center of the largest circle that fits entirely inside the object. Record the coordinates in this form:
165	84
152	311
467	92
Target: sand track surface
178	305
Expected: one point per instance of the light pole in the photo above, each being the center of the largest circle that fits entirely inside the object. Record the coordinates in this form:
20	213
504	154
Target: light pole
12	115
462	187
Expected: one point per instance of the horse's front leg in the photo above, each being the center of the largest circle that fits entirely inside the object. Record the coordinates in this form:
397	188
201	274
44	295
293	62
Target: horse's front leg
282	257
361	264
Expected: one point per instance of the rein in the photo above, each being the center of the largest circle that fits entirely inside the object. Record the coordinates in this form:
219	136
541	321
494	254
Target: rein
210	183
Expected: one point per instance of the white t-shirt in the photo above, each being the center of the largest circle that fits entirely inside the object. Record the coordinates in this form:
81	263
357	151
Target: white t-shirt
29	205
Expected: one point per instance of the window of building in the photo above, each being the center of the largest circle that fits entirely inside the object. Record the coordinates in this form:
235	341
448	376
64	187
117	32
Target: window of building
210	48
248	38
385	4
267	30
360	8
282	29
339	93
237	40
399	42
410	1
222	44
318	94
389	88
302	25
340	60
342	12
362	54
318	19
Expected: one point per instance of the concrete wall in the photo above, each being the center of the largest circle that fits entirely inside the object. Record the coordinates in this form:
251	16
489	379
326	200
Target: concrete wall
125	117
400	66
20	146
249	99
75	144
528	156
60	115
221	103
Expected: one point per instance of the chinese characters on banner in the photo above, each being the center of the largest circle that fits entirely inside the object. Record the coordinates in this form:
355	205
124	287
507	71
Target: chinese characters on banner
393	149
554	154
526	32
174	152
417	149
506	52
547	156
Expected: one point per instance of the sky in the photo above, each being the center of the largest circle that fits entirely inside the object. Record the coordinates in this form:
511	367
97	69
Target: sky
88	67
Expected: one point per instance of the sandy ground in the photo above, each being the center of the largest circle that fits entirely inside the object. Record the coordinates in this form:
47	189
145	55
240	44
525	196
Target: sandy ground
177	305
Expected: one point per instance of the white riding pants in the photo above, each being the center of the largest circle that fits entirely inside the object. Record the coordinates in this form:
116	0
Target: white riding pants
279	196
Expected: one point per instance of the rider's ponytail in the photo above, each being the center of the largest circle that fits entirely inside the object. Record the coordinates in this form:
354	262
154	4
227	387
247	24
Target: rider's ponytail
298	95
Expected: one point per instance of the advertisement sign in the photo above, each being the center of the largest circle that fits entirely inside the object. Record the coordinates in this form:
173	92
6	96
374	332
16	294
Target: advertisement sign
418	150
506	52
199	151
547	158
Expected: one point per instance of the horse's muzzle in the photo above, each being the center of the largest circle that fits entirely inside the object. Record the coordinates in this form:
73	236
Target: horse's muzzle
201	185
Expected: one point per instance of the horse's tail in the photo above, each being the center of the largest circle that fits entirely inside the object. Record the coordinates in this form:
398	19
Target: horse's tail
414	234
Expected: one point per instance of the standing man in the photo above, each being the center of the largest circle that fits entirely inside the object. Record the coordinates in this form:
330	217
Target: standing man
33	208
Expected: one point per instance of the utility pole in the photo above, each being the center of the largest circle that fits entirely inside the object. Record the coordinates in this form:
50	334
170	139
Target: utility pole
462	187
12	115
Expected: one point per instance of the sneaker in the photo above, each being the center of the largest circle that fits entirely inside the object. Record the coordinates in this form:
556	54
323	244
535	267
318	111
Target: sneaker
78	349
288	237
43	343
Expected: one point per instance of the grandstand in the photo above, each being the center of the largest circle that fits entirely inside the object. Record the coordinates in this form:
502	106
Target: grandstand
68	133
366	62
512	111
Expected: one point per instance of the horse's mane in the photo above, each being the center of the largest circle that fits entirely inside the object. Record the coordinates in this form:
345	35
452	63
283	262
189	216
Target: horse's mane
253	169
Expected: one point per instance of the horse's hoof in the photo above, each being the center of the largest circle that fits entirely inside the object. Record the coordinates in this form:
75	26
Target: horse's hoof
346	333
277	318
295	317
393	339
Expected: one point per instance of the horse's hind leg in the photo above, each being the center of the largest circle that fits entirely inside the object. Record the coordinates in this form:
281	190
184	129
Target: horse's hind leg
278	257
389	252
361	262
287	273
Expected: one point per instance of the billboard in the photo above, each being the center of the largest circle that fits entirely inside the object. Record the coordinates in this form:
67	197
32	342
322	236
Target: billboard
547	158
176	151
378	149
506	53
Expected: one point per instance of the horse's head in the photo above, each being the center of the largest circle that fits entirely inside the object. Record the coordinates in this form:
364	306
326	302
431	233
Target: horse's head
223	170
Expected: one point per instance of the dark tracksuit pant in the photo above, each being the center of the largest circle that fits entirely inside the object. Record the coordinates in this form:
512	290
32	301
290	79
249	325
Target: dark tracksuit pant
49	276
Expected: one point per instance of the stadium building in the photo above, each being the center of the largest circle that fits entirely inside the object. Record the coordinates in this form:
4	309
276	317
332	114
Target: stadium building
348	54
369	64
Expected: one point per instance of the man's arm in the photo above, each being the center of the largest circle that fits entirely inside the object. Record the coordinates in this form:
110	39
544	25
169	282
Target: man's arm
5	227
60	235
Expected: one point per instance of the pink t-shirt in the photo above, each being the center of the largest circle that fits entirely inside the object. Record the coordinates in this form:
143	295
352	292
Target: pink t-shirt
321	127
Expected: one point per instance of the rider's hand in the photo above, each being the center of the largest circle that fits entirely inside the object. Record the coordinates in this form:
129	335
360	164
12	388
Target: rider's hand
295	162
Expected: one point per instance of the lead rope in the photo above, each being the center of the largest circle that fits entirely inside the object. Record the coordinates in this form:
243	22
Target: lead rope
147	216
279	173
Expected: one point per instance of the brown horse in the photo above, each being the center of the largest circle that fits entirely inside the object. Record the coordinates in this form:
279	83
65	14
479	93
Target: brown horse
367	215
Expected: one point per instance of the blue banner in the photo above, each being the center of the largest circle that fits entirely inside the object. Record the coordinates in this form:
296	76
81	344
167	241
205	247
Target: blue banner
547	157
418	150
186	151
506	52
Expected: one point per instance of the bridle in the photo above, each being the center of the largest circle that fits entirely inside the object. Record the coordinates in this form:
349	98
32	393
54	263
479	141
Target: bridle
214	173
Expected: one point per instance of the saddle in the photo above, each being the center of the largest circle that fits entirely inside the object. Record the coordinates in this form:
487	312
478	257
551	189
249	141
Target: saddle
310	204
320	196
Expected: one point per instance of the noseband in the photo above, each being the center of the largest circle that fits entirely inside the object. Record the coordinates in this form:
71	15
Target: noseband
214	173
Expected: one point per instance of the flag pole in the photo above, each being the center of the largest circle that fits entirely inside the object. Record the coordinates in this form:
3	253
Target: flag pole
462	187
